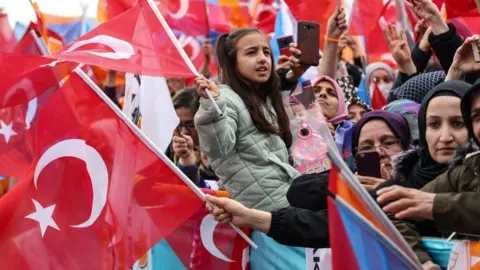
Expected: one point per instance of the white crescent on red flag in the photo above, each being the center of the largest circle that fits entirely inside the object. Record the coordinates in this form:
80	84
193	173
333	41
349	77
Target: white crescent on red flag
134	42
87	197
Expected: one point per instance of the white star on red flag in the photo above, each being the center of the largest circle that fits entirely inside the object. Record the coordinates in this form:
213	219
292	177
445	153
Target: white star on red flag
7	131
43	216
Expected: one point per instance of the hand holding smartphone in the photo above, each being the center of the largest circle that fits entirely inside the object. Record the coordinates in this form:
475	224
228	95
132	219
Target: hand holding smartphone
308	38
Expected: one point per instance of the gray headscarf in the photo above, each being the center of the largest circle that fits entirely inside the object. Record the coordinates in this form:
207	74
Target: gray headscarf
374	66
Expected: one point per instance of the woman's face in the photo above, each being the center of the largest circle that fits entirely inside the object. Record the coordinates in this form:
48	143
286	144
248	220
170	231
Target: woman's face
446	130
475	114
254	60
186	125
376	135
327	98
355	112
384	81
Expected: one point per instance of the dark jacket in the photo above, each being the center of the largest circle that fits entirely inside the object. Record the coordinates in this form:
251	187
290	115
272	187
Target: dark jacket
455	207
305	222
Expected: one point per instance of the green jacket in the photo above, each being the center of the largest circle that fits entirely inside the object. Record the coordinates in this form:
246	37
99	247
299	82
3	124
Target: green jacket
456	207
252	165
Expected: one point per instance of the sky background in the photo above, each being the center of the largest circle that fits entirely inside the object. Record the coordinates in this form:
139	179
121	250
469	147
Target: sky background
21	10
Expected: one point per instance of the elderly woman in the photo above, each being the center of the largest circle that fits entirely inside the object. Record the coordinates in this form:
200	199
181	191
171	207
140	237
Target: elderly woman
385	132
451	200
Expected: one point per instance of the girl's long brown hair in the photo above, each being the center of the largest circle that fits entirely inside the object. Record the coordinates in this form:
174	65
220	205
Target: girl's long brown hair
254	96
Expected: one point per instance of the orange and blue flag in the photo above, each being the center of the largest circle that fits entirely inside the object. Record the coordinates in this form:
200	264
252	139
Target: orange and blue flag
227	15
358	238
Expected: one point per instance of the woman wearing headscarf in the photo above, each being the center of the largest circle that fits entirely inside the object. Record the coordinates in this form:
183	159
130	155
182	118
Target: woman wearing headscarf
331	99
408	110
450	202
355	106
442	131
385	132
381	74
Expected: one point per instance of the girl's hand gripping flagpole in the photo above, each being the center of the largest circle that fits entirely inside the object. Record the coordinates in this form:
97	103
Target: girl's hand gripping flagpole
180	49
194	70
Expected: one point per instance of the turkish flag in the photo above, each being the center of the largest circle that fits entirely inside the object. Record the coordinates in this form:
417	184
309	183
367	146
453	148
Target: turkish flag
7	38
378	100
28	70
203	243
133	42
28	45
265	16
364	16
187	16
79	207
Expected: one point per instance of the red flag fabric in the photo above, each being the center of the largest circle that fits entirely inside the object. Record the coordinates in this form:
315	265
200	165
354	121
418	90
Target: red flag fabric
303	11
202	243
189	17
7	38
461	8
28	45
265	16
378	100
227	15
134	42
78	209
37	71
364	16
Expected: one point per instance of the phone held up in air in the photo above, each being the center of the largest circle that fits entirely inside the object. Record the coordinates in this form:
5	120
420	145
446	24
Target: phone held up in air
368	164
308	39
476	51
284	45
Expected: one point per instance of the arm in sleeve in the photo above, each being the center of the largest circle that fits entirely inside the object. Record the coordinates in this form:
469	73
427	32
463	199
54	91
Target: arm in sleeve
300	227
445	46
216	132
410	233
457	212
454	211
420	58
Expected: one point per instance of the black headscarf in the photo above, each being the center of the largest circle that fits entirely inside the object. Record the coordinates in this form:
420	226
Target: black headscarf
466	106
428	169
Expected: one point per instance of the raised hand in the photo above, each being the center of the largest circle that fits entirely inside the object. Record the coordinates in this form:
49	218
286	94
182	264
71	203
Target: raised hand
337	24
399	48
464	59
203	84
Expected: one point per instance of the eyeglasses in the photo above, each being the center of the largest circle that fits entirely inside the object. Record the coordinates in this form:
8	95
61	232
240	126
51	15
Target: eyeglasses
388	144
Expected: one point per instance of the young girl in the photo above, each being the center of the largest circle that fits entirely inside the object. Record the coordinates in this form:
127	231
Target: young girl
247	145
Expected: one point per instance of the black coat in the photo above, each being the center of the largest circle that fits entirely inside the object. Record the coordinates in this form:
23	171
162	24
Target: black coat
305	222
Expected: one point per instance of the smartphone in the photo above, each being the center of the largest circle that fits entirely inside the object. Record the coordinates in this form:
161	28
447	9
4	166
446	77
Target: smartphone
476	51
284	45
308	39
368	164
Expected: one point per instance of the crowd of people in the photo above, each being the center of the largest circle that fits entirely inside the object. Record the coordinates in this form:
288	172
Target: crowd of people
426	137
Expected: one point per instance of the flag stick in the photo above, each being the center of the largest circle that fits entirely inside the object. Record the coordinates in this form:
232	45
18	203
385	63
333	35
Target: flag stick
153	147
180	49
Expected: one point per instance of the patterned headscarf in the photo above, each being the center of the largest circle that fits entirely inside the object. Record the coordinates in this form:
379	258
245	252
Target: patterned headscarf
351	98
409	110
417	87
